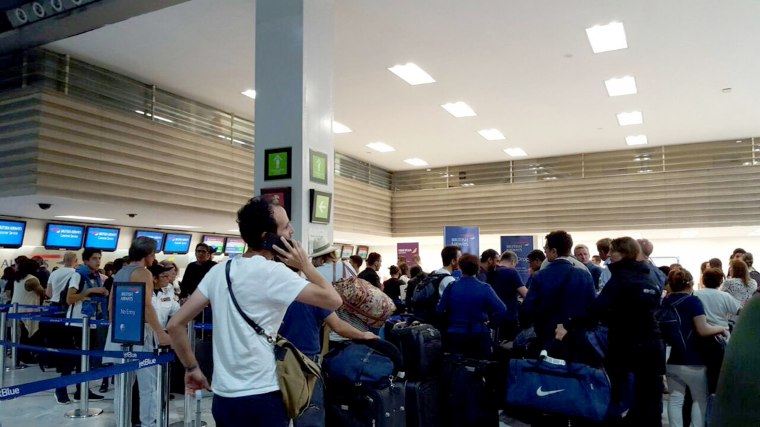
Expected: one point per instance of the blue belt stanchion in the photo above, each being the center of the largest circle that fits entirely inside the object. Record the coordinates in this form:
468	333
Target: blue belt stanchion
84	410
15	332
3	330
124	405
162	390
188	421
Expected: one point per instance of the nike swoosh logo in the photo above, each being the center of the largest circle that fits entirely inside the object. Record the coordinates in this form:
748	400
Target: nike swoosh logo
541	393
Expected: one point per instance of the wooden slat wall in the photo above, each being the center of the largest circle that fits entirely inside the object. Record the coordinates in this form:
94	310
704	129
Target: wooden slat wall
362	208
19	128
87	151
695	198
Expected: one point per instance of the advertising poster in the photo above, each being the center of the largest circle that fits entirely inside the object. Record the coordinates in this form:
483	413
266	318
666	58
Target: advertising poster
408	251
522	246
467	238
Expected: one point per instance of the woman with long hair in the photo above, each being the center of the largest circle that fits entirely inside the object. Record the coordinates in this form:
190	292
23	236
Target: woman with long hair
739	285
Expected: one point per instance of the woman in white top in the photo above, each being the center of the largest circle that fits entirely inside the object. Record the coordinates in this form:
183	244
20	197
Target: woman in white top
720	307
245	384
739	285
27	291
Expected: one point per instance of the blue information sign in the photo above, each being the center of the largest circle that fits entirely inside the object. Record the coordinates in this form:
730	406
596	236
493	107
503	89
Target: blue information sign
63	236
12	234
177	243
467	238
106	239
128	324
522	246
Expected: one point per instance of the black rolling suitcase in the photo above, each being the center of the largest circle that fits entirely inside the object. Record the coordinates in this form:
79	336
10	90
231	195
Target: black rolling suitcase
420	345
368	407
469	399
423	408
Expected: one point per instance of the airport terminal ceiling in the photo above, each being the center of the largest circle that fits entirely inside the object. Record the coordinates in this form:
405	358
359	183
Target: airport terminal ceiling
526	68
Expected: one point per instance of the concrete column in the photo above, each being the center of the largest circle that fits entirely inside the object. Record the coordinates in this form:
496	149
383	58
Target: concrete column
294	82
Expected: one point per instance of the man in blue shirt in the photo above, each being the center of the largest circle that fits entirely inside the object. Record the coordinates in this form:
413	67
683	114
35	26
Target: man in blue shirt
582	254
506	282
469	305
559	292
646	250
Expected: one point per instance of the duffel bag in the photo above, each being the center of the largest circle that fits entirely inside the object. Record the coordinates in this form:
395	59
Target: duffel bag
362	363
365	301
555	387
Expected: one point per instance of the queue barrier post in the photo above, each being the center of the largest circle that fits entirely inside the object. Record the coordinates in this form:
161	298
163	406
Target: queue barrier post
3	330
16	339
84	410
198	397
162	388
124	394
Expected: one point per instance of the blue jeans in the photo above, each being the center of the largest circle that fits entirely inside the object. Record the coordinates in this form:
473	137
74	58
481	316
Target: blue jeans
314	416
260	410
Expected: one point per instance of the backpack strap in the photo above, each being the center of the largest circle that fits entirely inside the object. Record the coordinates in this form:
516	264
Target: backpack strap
259	330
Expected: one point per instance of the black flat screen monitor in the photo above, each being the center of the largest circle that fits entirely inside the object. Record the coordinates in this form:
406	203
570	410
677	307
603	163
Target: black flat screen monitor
12	234
63	236
234	245
215	242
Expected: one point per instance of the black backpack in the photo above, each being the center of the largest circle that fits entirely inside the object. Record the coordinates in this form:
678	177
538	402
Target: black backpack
426	295
670	325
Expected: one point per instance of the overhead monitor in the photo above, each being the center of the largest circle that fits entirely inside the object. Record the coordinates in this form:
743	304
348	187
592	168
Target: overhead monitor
216	243
63	236
234	245
104	238
155	235
12	234
177	243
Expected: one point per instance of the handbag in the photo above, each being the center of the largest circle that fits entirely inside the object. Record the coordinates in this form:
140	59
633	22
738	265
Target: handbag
365	301
568	389
297	375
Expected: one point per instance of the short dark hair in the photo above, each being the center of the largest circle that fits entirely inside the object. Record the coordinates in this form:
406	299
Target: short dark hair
665	270
254	219
715	263
89	252
109	267
469	264
488	254
373	257
394	270
140	248
536	254
680	279
627	247
415	271
738	251
510	256
357	260
203	245
118	263
561	241
748	259
604	245
27	267
449	254
712	277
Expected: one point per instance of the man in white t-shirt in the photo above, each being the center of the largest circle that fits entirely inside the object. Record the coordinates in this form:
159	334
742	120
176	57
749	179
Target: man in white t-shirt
245	381
59	278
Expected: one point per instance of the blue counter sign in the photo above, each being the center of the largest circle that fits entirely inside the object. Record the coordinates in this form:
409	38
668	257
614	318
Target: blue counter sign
128	324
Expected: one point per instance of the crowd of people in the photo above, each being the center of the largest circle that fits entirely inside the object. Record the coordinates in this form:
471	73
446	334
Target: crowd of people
479	303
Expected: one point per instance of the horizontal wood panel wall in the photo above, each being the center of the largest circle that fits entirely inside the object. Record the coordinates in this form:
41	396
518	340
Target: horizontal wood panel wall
19	130
362	208
696	198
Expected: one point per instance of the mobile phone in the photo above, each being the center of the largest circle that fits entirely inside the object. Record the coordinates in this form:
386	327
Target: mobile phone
275	240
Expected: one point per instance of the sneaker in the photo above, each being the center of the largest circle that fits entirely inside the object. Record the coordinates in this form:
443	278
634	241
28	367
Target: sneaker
90	396
62	397
103	387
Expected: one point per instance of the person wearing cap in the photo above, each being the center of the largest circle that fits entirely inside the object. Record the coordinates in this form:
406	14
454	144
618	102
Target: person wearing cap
302	325
196	271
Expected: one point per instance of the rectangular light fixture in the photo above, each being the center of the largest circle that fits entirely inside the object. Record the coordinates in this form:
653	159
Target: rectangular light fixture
230	139
621	86
340	128
381	147
412	74
459	109
416	162
636	140
491	134
84	218
605	38
163	119
632	118
515	152
249	93
188	227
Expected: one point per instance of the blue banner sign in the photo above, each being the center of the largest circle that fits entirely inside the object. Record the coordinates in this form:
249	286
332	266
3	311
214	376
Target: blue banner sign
128	324
522	246
467	238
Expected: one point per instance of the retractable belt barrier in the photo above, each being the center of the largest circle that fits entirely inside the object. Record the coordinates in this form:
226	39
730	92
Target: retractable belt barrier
27	316
12	392
72	352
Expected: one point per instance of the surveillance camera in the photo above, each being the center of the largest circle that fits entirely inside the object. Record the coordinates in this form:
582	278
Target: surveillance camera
132	215
44	206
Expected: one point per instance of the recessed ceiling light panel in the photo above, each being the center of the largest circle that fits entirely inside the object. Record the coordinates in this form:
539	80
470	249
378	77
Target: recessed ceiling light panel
381	147
516	152
491	134
636	140
416	162
340	128
84	218
459	109
188	227
621	86
605	38
632	118
412	74
249	93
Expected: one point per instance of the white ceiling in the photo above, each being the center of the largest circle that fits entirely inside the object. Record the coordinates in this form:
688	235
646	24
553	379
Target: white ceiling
525	67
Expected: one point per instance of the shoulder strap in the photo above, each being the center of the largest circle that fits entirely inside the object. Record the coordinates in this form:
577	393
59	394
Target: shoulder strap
259	330
335	267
